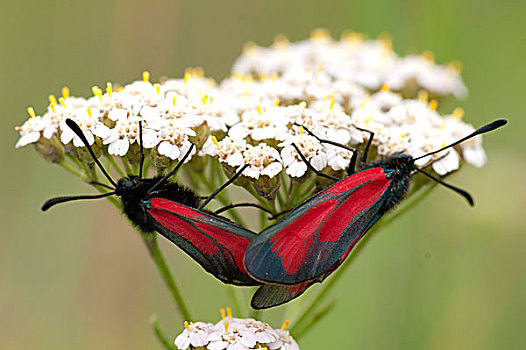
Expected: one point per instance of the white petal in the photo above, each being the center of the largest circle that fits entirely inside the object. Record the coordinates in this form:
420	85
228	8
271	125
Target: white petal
235	159
150	139
119	147
297	169
27	139
252	172
101	130
167	149
319	161
199	339
182	341
474	155
272	169
217	345
67	135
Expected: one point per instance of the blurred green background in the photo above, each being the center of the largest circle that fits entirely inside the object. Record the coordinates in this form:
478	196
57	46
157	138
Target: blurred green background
443	277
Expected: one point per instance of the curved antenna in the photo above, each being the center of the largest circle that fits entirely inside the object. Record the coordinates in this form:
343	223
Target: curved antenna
165	177
460	191
142	150
486	128
76	129
57	200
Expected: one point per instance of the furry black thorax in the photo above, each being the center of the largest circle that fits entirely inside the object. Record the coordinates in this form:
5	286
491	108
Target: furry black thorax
133	190
400	167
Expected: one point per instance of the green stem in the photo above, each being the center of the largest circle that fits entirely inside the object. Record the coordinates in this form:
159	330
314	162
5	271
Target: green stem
151	243
418	196
127	167
234	299
72	170
315	318
115	165
168	345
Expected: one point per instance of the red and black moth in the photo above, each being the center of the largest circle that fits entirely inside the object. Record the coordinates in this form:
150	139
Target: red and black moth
314	239
176	212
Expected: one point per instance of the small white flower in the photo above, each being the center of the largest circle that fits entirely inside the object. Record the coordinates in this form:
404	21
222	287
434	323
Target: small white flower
231	338
194	334
126	132
30	131
230	150
90	126
263	160
284	341
311	149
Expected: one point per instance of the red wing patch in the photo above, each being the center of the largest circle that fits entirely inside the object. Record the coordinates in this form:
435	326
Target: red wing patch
319	232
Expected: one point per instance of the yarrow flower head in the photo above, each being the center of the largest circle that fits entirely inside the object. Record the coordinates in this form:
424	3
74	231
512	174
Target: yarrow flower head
336	91
235	334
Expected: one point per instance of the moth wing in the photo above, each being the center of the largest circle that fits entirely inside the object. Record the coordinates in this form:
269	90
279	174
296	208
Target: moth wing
320	232
217	244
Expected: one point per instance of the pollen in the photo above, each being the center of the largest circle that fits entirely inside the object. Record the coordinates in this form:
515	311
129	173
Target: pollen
433	104
146	76
301	129
186	77
52	105
157	88
222	311
187	325
65	92
320	33
258	107
226	326
173	101
229	312
385	88
428	55
285	325
276	102
62	101
31	112
423	95
109	89
89	111
52	99
456	65
281	41
214	140
205	97
97	91
458	112
332	103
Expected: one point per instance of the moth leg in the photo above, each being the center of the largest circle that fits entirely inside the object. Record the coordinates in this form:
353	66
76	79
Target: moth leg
237	205
279	214
215	193
352	164
309	165
367	146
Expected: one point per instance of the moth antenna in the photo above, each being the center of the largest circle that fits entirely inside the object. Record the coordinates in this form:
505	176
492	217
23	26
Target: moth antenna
232	179
165	177
76	129
486	128
142	150
51	202
460	191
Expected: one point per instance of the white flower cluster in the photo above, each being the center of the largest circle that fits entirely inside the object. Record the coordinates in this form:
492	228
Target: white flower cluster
256	121
368	63
234	334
